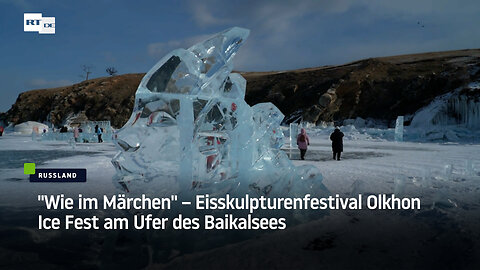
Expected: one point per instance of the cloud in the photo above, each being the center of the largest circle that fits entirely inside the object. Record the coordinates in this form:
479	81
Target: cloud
159	49
277	27
263	14
287	34
202	14
21	4
43	83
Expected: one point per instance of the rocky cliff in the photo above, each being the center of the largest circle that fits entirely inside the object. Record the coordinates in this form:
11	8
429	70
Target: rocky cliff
379	88
108	98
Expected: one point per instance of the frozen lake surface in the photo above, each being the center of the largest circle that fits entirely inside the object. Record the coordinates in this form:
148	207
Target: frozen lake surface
443	234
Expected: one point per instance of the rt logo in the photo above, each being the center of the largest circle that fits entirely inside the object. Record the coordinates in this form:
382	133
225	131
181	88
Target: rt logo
34	22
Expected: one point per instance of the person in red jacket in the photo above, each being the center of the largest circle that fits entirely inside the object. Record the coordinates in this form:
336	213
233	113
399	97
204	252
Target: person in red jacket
1	130
303	142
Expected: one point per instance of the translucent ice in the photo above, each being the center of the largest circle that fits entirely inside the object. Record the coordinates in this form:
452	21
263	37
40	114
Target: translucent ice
293	134
469	170
399	183
448	171
399	129
426	180
191	130
454	116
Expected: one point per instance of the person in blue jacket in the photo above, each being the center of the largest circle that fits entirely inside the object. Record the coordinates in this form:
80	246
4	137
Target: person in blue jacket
98	130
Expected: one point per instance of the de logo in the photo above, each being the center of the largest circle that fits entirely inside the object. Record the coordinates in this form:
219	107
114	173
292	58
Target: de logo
34	22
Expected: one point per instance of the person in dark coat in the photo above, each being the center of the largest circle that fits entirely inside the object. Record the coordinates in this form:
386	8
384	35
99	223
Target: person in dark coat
337	143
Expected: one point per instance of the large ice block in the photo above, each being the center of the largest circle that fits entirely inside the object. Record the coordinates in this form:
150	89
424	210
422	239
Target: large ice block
293	134
399	129
469	170
192	131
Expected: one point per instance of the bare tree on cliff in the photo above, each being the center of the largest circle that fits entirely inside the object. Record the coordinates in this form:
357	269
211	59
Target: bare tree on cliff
87	70
111	71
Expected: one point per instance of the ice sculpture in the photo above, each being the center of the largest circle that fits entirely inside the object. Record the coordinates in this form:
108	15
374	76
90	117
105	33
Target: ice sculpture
191	129
293	134
399	129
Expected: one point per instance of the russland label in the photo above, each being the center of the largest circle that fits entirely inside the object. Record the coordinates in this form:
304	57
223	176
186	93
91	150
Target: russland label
59	175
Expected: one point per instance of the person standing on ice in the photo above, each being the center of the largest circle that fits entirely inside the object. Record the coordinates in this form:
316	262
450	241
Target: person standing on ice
337	143
99	133
303	142
75	134
1	130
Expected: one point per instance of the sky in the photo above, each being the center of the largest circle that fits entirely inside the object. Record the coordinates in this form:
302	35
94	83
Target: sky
133	35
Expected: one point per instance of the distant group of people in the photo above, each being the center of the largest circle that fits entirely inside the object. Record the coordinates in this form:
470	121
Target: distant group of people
78	130
303	141
98	131
63	129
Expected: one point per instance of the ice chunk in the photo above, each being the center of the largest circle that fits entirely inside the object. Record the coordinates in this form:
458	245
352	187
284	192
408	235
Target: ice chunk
192	131
448	171
358	187
293	134
399	183
426	178
399	129
469	170
454	116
